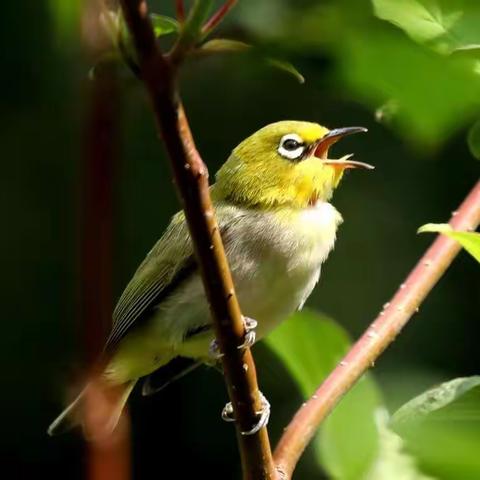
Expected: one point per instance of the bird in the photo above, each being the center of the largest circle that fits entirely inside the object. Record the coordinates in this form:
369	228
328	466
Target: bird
272	203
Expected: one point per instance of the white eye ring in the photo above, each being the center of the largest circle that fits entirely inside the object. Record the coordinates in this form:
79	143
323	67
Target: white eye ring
291	146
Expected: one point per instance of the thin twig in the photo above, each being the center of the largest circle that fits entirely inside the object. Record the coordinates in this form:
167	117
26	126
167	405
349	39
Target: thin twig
191	32
218	16
180	9
378	336
191	179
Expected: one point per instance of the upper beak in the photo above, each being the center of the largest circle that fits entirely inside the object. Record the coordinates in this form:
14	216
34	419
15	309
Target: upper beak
322	146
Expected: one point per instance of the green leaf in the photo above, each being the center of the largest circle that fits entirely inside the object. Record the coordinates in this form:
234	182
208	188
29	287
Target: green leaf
66	17
470	241
435	399
163	25
473	139
446	25
441	428
382	66
286	67
374	63
225	45
310	346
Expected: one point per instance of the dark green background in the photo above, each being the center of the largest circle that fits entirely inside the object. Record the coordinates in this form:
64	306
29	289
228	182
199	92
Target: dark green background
43	84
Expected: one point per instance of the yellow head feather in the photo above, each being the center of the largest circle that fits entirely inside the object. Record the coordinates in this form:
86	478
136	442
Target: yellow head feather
257	175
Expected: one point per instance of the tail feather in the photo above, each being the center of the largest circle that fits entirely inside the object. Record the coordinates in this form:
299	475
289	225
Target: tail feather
169	373
97	409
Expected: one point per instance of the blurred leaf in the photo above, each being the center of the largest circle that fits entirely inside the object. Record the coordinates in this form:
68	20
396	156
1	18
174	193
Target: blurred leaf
442	429
474	139
447	25
393	461
286	67
421	20
375	63
225	45
66	17
437	398
163	25
436	95
311	345
470	241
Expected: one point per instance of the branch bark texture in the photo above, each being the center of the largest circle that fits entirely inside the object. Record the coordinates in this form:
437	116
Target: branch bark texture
158	72
378	336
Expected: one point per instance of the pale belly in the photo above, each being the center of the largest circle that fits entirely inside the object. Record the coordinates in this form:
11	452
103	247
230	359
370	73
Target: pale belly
280	270
275	265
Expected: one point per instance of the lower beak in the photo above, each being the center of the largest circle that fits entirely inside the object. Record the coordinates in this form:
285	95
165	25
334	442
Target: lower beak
322	146
345	162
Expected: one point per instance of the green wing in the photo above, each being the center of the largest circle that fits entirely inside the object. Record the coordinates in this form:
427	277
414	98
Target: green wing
169	263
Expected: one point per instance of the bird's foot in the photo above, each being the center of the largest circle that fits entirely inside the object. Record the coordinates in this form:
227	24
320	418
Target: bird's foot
214	351
263	415
249	339
250	334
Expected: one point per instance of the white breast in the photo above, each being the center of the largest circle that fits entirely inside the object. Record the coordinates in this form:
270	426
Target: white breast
275	258
282	261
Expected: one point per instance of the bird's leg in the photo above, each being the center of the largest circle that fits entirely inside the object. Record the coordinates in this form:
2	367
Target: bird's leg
263	415
249	339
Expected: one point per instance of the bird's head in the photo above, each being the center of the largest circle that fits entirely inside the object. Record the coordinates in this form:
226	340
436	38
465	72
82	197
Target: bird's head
284	164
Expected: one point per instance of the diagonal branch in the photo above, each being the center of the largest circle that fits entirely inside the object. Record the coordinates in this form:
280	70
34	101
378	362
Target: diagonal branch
191	177
378	336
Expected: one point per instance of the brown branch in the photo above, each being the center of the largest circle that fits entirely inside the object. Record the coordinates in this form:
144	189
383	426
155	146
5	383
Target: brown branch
378	336
218	16
191	179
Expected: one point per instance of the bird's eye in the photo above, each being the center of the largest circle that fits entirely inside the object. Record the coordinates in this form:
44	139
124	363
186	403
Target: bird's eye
291	146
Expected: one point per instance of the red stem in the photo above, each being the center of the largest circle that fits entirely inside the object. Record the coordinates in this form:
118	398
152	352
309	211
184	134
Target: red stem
109	457
180	9
218	16
378	336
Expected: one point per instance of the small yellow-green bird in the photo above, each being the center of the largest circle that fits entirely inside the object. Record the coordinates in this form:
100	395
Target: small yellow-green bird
271	199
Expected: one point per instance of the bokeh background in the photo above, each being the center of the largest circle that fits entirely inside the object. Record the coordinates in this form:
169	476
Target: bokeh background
420	177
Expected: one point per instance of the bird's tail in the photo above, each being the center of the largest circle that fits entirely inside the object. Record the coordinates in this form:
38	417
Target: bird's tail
97	409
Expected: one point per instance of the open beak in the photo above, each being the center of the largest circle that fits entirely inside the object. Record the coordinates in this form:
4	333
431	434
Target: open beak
322	146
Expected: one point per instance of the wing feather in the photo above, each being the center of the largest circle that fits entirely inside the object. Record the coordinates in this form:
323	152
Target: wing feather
167	265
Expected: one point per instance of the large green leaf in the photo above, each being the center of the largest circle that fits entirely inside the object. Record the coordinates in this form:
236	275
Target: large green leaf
441	428
436	95
447	25
311	345
470	241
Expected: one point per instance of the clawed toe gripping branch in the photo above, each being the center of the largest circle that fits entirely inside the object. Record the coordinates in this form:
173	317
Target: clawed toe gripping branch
248	406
